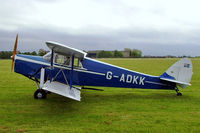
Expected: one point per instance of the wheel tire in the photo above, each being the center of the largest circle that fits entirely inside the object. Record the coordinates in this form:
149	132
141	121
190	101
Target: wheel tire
40	94
48	92
179	94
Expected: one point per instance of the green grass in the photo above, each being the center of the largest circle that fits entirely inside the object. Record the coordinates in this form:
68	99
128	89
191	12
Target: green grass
113	110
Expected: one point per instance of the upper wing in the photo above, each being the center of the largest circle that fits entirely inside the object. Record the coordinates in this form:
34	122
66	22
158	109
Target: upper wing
65	50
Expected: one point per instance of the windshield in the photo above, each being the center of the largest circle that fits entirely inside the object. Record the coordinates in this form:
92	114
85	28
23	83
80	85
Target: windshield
47	56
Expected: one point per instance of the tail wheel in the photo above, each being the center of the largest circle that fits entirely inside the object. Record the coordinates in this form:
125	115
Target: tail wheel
177	91
179	94
40	94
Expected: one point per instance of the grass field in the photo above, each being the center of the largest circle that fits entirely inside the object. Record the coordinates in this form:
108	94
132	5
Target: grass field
111	110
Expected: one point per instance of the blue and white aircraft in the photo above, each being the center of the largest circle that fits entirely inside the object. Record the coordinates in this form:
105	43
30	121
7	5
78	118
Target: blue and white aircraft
65	71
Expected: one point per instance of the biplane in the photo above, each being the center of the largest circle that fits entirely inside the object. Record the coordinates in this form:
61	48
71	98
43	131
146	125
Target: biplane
65	71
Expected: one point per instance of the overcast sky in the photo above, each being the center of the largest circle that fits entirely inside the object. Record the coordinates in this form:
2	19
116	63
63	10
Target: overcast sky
157	27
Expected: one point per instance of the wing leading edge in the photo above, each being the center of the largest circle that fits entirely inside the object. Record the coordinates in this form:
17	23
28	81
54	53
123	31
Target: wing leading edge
65	50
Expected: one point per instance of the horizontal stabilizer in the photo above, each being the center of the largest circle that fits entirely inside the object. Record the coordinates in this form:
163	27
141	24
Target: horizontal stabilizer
179	83
63	90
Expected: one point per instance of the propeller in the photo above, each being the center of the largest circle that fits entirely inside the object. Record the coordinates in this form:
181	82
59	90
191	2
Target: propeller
14	53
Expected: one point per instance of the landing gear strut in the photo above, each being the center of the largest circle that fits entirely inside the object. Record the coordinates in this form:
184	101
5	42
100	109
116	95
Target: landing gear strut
177	91
39	93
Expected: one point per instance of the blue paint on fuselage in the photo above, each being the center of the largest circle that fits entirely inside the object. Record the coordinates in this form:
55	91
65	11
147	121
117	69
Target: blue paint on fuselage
116	78
35	58
165	75
95	73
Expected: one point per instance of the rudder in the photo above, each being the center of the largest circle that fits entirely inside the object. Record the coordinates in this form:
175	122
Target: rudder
180	73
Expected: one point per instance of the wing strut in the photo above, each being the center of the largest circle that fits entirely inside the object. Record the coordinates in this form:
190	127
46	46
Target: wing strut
66	90
51	75
71	72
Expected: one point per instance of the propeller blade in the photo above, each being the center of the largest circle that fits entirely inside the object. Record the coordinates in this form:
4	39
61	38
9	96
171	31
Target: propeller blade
14	53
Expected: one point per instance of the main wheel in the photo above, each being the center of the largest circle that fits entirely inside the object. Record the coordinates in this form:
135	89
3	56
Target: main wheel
179	94
40	94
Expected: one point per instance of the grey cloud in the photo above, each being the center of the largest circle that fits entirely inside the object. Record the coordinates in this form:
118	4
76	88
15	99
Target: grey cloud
151	42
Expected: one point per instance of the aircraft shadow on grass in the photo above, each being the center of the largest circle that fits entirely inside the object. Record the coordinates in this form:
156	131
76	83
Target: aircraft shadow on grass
57	105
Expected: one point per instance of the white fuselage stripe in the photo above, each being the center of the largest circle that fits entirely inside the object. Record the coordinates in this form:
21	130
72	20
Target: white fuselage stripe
48	64
156	83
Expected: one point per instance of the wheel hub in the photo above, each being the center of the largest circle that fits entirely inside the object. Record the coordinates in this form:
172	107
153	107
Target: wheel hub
39	95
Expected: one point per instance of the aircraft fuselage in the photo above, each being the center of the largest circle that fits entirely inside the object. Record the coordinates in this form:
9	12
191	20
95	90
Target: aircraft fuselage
92	73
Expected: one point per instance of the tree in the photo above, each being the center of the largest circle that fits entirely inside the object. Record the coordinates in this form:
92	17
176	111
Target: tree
105	54
118	54
5	54
27	53
33	53
136	53
42	52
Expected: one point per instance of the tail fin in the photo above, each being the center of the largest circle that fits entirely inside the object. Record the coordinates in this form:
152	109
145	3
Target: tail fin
179	73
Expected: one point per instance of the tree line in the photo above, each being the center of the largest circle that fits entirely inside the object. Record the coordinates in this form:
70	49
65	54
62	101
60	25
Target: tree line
8	54
133	53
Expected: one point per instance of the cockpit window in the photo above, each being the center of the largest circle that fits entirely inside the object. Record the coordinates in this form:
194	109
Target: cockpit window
77	63
63	60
